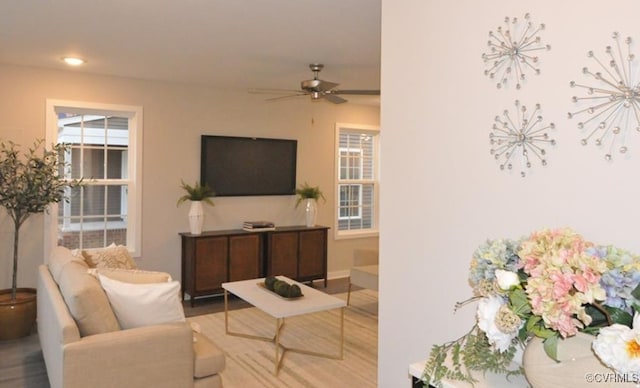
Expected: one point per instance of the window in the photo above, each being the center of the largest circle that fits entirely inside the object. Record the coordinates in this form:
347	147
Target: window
356	180
105	150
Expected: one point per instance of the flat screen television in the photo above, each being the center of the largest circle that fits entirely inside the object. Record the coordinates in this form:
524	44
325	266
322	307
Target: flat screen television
244	166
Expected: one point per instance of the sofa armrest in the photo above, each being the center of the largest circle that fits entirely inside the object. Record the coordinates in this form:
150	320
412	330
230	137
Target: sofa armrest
56	327
152	356
54	320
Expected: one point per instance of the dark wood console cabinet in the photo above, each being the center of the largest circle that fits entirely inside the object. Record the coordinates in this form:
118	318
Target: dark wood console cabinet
214	257
297	253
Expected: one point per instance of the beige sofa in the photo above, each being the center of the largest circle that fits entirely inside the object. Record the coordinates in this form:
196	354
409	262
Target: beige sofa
166	355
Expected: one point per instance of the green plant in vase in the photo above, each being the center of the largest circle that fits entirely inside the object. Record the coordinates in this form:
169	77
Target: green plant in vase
197	194
29	182
311	195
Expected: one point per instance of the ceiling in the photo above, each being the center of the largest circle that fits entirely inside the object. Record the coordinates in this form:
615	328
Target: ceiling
231	44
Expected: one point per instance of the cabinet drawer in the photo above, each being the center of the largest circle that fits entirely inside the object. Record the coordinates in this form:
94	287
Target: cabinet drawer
210	263
283	254
312	253
244	257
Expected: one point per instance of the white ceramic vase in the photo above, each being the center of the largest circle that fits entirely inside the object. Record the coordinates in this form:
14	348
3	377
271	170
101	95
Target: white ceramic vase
196	217
578	366
310	212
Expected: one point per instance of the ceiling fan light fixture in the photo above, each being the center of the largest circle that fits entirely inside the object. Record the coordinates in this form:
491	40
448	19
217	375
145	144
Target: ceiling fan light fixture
73	61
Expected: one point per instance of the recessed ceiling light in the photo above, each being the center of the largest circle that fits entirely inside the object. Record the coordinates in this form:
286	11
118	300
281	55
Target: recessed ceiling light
73	61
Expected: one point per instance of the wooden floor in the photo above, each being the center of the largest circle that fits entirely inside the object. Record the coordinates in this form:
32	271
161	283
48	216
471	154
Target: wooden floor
22	365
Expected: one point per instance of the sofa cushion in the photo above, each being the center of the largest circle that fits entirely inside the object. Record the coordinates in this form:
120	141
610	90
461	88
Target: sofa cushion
86	300
61	256
131	275
113	256
137	305
209	359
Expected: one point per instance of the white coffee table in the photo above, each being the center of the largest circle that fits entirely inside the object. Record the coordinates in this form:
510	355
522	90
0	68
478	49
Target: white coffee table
313	301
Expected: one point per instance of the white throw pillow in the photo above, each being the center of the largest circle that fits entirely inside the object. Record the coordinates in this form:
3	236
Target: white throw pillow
137	305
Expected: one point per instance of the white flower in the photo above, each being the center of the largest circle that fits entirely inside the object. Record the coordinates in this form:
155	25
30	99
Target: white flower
618	346
506	279
486	314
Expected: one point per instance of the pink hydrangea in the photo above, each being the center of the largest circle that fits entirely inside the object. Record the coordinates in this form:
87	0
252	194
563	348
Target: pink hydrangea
563	278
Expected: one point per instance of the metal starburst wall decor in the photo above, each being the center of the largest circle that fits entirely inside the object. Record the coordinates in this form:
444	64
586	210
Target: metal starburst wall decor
522	137
614	102
511	51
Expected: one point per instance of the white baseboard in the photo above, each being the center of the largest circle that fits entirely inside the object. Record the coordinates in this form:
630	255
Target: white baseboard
339	274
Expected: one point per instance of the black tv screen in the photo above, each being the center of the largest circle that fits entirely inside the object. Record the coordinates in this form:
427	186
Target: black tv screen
242	166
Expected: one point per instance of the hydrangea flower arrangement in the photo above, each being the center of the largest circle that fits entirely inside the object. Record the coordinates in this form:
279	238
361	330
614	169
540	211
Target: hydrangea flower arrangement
552	285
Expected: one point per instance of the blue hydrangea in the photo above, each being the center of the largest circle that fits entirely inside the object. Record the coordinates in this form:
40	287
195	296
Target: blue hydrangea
622	277
618	285
493	255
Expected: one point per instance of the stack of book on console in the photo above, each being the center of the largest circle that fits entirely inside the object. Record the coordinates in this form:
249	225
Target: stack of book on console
253	226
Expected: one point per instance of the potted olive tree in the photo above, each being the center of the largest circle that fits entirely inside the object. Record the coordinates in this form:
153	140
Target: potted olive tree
310	195
196	194
29	182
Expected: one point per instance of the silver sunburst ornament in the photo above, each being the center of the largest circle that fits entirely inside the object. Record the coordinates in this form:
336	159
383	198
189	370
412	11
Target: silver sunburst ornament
511	50
614	103
521	137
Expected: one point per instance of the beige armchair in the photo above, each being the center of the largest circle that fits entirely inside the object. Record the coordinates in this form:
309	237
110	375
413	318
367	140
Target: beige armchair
167	355
364	272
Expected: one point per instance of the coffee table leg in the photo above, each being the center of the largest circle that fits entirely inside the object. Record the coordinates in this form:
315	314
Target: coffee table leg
342	333
277	360
226	311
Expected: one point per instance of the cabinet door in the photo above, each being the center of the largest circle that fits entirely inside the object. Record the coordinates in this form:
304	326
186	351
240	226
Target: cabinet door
210	263
283	254
312	254
244	257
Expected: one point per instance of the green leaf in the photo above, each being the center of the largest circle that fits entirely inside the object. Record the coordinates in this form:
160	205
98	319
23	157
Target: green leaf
550	345
519	302
636	292
598	317
535	326
532	322
308	192
620	316
196	192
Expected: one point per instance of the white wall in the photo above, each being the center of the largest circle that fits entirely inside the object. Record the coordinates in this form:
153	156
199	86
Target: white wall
174	118
443	194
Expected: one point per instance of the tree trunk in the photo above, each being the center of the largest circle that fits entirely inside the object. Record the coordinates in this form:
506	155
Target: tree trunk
18	220
14	278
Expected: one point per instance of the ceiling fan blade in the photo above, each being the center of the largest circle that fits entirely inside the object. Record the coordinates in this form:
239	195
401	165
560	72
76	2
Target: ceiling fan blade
333	98
274	91
326	85
284	97
357	92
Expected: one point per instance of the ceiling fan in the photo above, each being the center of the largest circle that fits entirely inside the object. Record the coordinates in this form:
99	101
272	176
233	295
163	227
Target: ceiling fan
317	89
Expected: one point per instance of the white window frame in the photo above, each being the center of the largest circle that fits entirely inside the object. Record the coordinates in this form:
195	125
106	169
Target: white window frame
134	160
374	131
357	216
341	151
